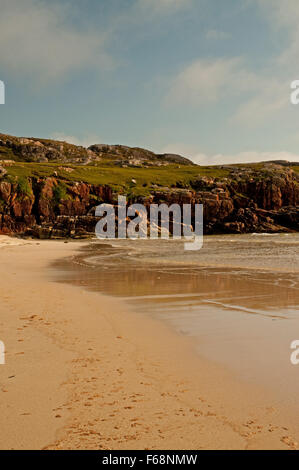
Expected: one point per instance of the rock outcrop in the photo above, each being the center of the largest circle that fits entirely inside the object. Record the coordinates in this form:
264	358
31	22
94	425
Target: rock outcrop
47	150
263	199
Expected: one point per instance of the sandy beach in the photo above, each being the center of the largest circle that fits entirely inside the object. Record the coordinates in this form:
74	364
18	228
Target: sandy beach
82	371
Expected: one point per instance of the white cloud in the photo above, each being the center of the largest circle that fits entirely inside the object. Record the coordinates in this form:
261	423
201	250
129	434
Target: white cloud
271	98
280	12
221	159
201	81
85	141
39	41
206	81
284	15
243	157
263	93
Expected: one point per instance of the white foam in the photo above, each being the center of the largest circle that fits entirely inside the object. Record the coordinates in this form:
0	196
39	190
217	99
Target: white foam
5	240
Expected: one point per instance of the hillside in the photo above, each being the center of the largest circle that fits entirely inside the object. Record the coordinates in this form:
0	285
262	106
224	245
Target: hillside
56	198
46	150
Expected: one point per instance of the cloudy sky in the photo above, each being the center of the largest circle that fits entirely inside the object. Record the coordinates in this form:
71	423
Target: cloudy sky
208	79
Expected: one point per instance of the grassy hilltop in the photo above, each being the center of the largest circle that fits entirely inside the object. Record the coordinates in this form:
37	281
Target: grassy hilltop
127	170
50	188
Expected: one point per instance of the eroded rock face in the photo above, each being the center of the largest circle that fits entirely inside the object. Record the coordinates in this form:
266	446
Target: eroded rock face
5	191
252	201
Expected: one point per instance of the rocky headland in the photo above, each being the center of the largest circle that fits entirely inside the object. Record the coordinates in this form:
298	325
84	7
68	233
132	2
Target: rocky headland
50	189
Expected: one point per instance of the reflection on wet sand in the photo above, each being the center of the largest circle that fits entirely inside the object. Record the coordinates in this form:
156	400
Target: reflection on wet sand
238	297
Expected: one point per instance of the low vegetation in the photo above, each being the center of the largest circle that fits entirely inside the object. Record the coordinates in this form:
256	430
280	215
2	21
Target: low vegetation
130	180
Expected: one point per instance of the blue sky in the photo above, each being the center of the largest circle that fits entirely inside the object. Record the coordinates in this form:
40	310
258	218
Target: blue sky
208	79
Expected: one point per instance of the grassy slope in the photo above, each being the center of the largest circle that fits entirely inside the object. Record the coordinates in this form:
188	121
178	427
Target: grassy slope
120	179
117	178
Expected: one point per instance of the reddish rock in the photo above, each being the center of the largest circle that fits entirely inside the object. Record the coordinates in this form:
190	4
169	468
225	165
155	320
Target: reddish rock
47	188
5	190
253	200
81	189
22	207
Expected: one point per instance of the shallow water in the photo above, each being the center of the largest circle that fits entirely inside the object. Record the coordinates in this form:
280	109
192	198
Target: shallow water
238	297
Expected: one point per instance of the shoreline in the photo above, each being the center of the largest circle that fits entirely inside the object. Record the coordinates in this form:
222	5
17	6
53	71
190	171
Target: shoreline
84	372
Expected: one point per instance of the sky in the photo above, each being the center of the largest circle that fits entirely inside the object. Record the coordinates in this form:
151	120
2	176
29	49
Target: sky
207	79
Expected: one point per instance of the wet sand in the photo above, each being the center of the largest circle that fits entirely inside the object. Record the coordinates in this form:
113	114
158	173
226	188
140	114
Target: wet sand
244	316
88	371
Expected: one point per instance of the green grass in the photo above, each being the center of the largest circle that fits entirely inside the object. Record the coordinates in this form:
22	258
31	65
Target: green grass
60	192
119	179
24	187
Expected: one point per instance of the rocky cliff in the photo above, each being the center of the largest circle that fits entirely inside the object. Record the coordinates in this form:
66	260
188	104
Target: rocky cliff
54	201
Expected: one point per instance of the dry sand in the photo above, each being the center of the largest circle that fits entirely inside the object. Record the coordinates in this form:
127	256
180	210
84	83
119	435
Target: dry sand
83	372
